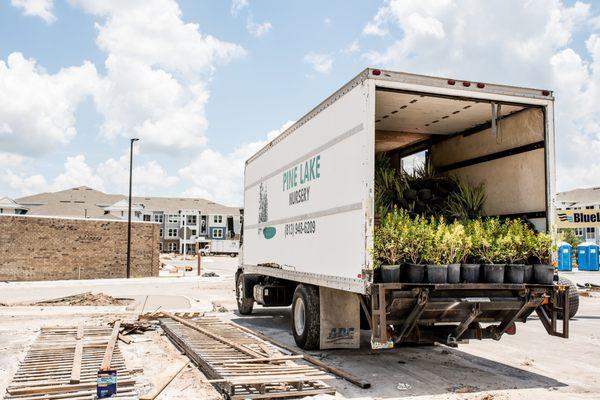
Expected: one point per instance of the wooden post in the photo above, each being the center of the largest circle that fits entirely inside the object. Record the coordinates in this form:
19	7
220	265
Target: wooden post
199	256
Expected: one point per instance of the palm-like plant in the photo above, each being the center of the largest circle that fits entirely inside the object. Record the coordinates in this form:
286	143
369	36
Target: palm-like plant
467	202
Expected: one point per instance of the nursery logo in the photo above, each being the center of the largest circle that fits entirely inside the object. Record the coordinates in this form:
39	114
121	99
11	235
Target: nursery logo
564	217
263	213
577	218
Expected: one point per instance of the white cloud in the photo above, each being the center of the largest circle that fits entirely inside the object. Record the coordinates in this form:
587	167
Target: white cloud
321	63
156	86
76	173
525	43
257	30
148	178
219	176
37	109
36	8
352	48
237	6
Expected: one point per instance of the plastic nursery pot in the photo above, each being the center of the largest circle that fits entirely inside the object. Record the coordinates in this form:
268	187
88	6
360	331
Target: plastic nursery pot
437	273
469	273
453	273
409	194
528	274
424	194
514	273
413	273
390	273
543	274
493	273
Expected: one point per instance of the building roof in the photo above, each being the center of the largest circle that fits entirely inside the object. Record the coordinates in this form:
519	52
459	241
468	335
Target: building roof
581	197
7	203
84	201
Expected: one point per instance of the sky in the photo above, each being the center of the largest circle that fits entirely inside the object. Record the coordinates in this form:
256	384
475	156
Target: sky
205	84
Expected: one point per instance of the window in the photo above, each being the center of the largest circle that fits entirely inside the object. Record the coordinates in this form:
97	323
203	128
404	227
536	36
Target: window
217	233
160	247
161	232
579	232
590	233
192	219
589	207
158	218
217	219
172	233
147	218
173	218
194	232
172	246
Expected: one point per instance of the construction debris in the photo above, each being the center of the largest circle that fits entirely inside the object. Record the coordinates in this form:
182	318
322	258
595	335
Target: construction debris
84	299
63	363
218	307
210	275
241	365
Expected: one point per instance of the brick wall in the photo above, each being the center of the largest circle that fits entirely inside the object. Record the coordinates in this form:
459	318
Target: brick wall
40	248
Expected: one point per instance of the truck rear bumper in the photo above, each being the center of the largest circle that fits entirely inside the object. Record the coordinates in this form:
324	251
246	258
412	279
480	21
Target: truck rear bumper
449	313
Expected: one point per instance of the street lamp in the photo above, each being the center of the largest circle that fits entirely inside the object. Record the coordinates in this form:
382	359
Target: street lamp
132	140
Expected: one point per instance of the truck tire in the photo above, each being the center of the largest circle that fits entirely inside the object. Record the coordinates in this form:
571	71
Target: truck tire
573	298
306	322
244	304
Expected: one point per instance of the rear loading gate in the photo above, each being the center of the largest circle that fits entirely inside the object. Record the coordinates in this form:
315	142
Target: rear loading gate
449	313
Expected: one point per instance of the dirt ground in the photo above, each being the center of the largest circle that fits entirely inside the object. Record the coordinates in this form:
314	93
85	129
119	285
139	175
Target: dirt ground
529	365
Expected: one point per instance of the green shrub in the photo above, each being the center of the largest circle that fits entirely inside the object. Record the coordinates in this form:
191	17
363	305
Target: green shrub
542	247
456	244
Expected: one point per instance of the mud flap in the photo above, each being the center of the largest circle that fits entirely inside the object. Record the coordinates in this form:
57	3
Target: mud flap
340	319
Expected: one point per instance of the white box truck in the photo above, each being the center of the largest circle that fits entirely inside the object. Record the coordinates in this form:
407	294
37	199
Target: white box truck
309	209
220	247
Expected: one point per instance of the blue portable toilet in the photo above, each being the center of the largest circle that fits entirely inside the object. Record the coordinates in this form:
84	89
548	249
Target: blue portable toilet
564	257
583	256
593	257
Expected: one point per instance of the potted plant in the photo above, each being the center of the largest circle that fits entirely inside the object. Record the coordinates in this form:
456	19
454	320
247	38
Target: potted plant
435	251
387	246
495	254
515	244
416	237
455	248
480	247
542	248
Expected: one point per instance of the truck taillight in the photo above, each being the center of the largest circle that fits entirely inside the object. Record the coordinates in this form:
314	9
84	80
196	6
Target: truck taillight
481	85
451	82
466	84
545	93
376	72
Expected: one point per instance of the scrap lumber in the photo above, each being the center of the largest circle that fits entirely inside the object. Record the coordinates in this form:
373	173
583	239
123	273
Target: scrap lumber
240	365
364	384
165	381
53	368
110	347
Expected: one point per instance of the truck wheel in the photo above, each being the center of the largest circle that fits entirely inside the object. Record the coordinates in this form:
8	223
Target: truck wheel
244	304
573	298
306	323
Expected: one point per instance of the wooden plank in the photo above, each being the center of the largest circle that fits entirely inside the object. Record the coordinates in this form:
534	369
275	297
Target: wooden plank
110	347
76	368
165	381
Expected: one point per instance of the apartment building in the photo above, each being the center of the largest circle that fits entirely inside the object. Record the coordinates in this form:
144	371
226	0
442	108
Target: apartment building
582	199
183	221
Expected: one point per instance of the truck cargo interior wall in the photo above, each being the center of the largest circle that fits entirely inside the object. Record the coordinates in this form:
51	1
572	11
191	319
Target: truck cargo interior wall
459	139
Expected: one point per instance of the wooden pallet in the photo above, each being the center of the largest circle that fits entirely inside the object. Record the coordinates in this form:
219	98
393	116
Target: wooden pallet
63	363
241	365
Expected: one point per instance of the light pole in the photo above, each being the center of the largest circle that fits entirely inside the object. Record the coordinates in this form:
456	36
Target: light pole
132	140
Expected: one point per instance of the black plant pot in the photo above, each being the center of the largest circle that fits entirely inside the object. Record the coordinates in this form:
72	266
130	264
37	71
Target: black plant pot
493	273
528	274
410	194
424	194
453	273
437	273
412	273
543	274
469	273
514	273
390	273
